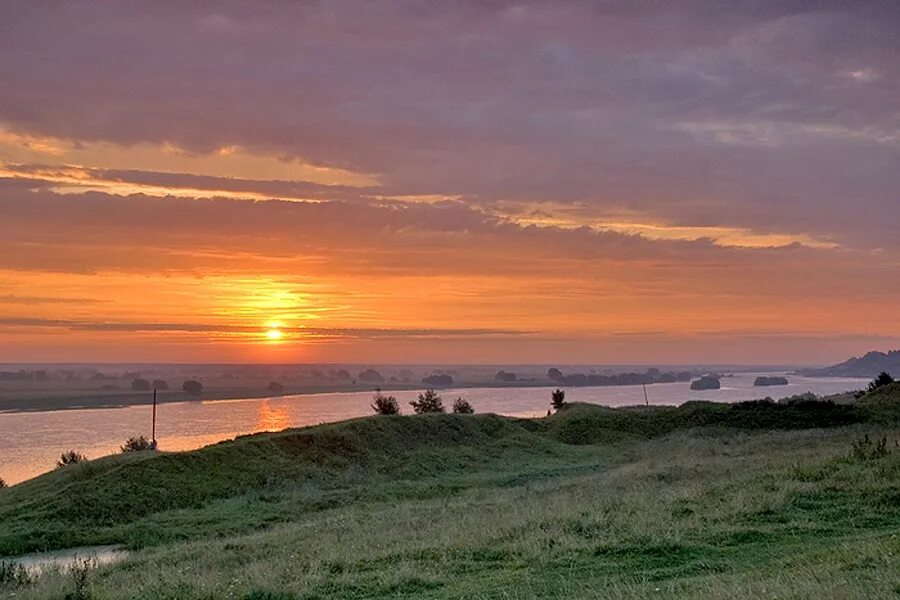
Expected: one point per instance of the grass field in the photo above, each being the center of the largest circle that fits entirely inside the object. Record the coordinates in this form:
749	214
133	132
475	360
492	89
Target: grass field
706	501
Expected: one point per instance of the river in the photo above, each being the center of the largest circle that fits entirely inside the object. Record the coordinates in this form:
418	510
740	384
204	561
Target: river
30	442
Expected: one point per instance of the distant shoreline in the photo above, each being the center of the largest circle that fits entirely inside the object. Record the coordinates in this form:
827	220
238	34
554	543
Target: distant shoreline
124	399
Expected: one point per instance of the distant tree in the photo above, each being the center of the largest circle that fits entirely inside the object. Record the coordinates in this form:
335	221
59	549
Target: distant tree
461	406
275	387
136	444
140	385
428	402
192	387
160	384
442	380
385	405
343	375
370	375
504	376
70	458
883	379
555	374
558	399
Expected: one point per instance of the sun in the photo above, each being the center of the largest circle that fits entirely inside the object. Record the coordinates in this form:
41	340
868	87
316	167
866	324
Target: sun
273	331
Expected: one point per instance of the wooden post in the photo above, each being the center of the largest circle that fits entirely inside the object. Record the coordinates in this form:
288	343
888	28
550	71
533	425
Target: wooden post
646	399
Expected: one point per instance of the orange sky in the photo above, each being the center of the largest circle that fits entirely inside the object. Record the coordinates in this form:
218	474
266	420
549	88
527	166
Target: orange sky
603	199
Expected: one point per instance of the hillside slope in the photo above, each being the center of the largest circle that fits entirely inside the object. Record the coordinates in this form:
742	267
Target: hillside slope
704	500
869	365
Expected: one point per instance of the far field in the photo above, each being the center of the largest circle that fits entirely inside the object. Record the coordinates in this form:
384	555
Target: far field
752	500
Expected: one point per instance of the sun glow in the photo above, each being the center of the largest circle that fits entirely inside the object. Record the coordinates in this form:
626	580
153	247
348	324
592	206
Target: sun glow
274	333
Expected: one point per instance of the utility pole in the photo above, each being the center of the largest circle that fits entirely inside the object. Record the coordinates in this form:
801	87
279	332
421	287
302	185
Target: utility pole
153	434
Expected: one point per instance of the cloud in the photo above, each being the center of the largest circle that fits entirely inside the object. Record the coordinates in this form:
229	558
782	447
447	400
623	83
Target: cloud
15	299
246	330
589	166
645	107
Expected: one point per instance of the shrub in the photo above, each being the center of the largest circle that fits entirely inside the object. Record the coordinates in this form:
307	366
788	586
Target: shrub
428	402
13	574
140	385
2	483
70	458
385	405
866	449
79	573
266	595
461	406
136	444
558	399
883	379
192	387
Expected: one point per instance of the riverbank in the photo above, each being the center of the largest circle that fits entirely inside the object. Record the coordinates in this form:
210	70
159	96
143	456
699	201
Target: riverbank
705	500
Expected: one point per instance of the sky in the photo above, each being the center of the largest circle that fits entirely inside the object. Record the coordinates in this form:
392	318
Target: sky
621	181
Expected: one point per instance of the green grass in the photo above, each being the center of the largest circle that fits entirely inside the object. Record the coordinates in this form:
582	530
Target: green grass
704	500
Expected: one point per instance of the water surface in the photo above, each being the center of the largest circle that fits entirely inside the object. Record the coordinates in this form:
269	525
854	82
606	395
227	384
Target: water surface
30	442
37	562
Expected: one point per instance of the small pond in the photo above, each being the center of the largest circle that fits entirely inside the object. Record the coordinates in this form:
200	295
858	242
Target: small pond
38	562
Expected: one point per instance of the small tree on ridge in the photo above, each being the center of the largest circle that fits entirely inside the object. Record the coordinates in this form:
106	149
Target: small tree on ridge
70	458
558	399
461	406
428	402
385	405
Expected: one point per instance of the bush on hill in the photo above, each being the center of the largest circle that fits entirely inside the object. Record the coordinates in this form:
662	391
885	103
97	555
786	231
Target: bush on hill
461	406
881	381
70	458
136	444
428	402
385	405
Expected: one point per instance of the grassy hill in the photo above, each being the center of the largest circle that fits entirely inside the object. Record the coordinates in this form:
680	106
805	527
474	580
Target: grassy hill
703	500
